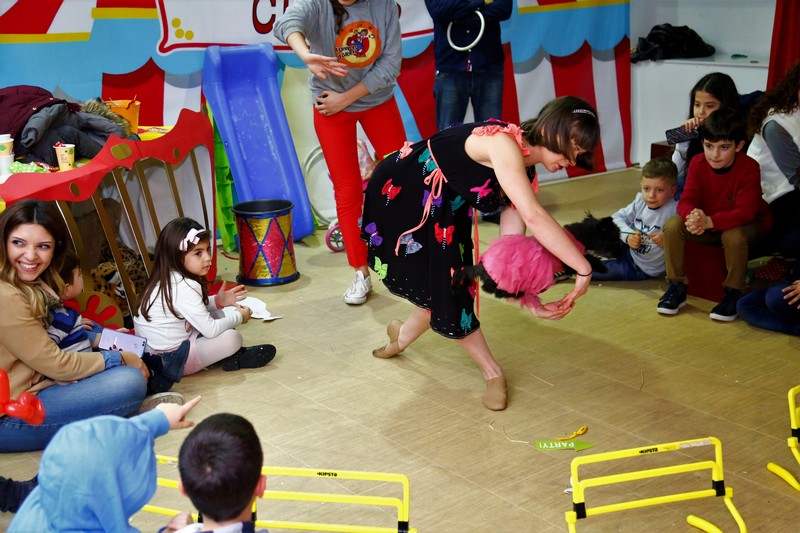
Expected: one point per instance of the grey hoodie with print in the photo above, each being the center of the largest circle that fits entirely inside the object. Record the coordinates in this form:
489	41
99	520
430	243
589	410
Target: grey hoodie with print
369	44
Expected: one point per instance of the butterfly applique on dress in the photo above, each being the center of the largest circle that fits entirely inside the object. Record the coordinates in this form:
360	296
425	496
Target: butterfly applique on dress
483	190
436	202
405	150
456	203
381	268
390	191
374	237
466	320
412	246
426	158
444	235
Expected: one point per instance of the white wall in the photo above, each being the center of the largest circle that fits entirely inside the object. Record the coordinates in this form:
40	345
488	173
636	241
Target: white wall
660	89
731	26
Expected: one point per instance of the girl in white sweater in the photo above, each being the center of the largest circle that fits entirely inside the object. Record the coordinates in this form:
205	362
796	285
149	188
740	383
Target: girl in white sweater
175	305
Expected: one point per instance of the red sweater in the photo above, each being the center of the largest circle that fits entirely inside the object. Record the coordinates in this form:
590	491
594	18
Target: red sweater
732	197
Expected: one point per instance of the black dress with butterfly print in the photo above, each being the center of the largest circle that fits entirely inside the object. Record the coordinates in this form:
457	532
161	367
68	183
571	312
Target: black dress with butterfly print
418	265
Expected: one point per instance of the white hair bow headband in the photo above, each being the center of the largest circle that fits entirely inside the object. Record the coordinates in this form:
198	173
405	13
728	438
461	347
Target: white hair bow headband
191	238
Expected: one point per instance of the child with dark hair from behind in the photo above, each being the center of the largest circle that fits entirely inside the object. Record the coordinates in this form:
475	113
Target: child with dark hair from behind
73	333
721	204
641	225
220	467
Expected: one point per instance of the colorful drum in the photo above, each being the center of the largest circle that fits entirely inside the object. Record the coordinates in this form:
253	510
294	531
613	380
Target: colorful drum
266	248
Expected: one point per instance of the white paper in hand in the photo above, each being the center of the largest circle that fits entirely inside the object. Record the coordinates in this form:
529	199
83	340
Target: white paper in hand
258	307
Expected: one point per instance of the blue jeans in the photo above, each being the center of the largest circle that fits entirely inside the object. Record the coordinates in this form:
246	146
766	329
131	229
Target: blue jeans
766	308
116	391
453	91
623	269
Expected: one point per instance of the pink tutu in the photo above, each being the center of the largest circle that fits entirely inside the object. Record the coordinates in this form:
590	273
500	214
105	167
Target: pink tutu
521	264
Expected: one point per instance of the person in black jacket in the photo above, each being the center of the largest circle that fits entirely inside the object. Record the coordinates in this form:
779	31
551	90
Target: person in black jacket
469	66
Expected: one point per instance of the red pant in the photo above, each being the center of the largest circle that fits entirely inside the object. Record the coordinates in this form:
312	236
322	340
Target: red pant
338	140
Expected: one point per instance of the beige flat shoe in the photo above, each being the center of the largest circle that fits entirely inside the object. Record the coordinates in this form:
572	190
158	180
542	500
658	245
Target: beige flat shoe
393	348
496	395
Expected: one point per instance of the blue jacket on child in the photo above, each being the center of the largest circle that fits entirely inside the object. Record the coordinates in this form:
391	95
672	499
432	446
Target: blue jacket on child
94	475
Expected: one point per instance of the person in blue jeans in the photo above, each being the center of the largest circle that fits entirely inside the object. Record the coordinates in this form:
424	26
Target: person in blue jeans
34	238
469	62
468	72
776	308
641	226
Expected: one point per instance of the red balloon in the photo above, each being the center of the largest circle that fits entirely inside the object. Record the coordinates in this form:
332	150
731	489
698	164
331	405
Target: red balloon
28	408
18	410
5	391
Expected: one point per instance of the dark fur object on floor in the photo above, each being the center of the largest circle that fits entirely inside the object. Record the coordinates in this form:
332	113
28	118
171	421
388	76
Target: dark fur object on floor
601	238
96	106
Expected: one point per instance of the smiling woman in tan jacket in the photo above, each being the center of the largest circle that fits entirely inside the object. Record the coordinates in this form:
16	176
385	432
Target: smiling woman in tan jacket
92	383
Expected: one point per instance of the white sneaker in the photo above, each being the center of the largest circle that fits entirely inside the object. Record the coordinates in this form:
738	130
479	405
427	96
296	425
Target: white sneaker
359	289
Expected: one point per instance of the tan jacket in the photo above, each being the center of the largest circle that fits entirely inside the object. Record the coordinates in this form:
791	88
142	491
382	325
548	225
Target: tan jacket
27	354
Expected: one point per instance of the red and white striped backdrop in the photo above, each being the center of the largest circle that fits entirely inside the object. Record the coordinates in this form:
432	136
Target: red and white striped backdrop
557	35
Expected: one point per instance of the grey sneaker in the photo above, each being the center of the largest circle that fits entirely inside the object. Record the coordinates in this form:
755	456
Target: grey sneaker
359	289
153	400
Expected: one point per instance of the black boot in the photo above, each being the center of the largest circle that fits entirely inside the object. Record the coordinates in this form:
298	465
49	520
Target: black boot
165	368
252	357
13	493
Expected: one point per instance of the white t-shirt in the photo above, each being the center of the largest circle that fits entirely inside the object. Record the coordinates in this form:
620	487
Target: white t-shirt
636	216
165	331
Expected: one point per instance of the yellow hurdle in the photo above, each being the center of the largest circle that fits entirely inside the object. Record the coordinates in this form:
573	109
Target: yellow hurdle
580	485
794	418
400	504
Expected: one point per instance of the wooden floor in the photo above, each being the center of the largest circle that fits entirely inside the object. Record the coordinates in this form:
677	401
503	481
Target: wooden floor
633	377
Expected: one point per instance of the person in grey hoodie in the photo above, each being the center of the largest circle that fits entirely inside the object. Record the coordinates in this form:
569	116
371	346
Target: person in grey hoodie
353	51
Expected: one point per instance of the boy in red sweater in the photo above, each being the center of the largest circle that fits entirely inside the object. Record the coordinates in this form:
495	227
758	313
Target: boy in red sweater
721	204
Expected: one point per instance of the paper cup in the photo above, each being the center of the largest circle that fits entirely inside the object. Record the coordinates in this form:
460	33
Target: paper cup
65	155
5	167
6	145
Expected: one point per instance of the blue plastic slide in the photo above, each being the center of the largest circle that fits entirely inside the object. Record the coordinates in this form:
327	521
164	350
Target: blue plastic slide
241	87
